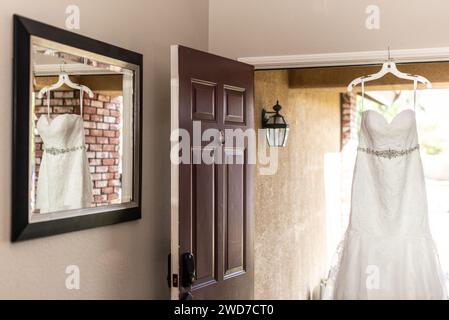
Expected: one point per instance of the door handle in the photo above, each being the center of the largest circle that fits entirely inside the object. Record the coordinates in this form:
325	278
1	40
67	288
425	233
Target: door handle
188	269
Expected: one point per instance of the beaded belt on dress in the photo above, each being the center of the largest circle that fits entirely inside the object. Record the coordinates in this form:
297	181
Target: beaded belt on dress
56	151
389	153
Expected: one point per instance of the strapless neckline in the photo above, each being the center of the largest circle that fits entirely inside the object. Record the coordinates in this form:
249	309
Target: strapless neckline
60	116
383	118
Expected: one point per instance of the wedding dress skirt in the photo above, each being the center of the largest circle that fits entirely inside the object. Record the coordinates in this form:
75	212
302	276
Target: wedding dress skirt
388	251
64	180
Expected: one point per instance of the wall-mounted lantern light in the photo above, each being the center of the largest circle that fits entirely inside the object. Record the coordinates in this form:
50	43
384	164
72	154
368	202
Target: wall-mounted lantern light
276	126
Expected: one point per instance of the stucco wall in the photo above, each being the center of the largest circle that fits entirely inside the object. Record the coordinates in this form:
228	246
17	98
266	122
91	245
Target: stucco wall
290	239
126	260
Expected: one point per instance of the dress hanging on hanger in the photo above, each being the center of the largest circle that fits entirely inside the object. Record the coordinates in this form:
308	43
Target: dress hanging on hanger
387	251
64	180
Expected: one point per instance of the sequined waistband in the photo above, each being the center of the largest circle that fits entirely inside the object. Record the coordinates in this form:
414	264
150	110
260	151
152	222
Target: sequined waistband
389	153
56	151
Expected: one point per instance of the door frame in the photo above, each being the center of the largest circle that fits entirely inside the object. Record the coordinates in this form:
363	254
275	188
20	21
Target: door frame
277	62
347	58
174	174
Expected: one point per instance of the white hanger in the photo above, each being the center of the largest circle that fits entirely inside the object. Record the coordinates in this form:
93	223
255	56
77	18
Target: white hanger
389	67
64	79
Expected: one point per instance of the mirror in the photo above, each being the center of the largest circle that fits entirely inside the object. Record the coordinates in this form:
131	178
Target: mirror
80	128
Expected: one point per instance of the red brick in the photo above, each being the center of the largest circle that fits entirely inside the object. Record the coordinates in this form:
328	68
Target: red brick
100	198
108	175
110	119
103	140
112	196
114	126
40	110
90	139
110	106
95	147
96	133
90	155
102	155
114	183
68	102
103	112
55	102
108	162
115	113
109	133
107	190
86	117
90	125
86	132
101	184
101	169
108	147
96	176
115	155
95	162
113	168
97	118
117	99
89	110
103	126
103	98
114	141
63	110
96	104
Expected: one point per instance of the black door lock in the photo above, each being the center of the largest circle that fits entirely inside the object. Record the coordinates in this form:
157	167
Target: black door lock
188	269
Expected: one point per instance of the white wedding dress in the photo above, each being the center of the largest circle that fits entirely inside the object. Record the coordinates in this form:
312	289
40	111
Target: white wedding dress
64	180
388	251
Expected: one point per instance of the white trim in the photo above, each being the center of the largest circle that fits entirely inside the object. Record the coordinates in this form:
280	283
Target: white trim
72	69
174	215
347	58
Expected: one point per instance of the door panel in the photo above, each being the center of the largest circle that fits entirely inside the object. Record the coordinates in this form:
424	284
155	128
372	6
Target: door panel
214	201
234	104
203	100
234	219
203	220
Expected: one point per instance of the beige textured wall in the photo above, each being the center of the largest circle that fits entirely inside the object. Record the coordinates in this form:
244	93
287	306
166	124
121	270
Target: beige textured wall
272	27
125	260
290	241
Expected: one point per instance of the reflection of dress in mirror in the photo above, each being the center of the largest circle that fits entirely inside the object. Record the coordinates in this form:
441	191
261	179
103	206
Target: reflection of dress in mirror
64	180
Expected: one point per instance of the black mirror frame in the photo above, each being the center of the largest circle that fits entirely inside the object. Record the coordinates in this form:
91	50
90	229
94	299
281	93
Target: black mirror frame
21	228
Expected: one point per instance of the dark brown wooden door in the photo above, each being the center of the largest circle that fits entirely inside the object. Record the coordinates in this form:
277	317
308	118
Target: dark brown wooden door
215	199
